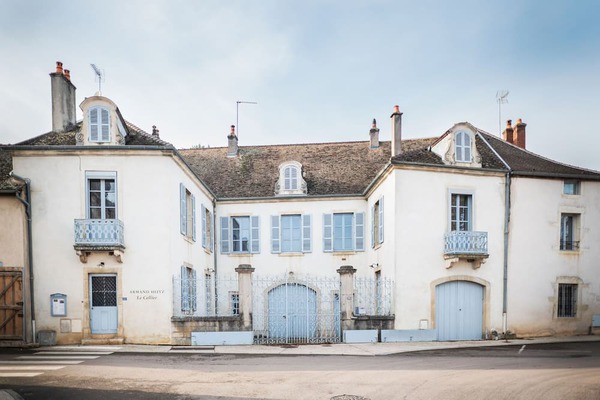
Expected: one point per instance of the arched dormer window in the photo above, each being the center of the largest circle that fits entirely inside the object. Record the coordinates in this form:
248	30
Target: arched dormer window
462	147
99	124
290	180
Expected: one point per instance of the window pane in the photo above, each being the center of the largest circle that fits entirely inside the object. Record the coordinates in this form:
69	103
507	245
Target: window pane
95	200
95	213
111	213
94	184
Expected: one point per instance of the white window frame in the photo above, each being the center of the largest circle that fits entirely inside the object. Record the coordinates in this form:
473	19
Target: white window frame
463	147
102	126
357	228
187	213
377	222
570	231
207	228
304	239
290	180
227	239
575	184
470	210
102	176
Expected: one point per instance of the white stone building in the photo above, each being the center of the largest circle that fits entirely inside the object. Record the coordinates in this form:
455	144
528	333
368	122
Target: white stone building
459	236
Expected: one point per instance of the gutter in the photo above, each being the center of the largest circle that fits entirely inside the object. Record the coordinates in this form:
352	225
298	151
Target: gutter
27	204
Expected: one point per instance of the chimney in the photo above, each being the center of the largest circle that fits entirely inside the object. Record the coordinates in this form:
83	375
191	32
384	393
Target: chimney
519	136
396	131
63	99
374	134
507	135
155	132
232	143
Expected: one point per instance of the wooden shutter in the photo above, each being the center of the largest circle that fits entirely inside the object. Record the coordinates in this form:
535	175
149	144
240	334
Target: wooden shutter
225	235
182	210
306	234
373	226
275	239
204	222
327	232
212	235
105	124
380	232
93	124
193	217
254	234
359	231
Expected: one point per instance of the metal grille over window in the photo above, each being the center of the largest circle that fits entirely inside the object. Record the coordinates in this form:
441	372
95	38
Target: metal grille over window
567	300
201	295
104	291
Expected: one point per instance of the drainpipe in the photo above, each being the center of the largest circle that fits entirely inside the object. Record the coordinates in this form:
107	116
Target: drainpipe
505	273
214	241
27	204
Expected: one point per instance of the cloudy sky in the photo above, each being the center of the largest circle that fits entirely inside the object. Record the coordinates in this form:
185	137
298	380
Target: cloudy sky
319	70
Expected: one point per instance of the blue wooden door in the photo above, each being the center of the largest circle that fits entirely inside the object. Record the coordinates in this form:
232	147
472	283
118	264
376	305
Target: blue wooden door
459	310
103	304
292	313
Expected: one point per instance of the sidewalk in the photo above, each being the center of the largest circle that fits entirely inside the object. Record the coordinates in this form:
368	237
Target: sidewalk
343	349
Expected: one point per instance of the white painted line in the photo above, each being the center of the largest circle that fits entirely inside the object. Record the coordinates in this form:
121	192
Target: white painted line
57	357
19	374
80	348
67	353
41	362
522	348
32	367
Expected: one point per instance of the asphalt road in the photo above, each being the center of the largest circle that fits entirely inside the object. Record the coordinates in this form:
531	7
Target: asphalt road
549	371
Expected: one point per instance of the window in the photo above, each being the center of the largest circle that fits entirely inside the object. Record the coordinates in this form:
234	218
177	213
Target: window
234	298
101	195
240	234
569	231
377	223
188	289
461	212
463	147
567	300
290	178
99	124
187	213
207	228
343	232
290	234
571	187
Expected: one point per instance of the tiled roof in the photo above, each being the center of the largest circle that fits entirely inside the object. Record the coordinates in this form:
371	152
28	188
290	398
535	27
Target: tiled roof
524	162
5	168
329	168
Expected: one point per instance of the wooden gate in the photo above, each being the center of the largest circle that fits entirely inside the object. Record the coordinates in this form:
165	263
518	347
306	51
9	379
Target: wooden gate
11	303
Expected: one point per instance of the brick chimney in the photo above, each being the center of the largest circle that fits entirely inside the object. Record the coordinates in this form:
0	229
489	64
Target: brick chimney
63	99
507	135
519	135
396	131
232	143
374	134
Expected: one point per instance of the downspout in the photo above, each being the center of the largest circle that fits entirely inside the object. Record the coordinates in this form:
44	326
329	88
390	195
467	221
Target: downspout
505	273
214	241
27	204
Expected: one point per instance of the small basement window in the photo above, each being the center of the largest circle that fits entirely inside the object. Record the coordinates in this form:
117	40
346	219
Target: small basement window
571	187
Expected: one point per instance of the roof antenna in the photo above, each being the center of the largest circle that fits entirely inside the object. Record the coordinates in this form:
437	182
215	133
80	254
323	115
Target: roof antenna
501	98
99	75
237	113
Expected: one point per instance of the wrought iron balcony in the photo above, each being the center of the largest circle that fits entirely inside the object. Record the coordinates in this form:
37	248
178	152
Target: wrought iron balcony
466	244
98	235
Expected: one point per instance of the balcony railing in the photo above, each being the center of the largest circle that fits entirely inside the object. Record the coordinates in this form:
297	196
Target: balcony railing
570	245
468	243
99	233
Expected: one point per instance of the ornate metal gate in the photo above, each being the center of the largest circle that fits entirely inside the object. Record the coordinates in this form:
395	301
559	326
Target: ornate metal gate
290	309
11	303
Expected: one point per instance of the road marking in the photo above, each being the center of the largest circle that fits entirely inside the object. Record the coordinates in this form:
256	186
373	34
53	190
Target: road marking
80	348
522	348
41	362
99	353
31	367
34	357
19	374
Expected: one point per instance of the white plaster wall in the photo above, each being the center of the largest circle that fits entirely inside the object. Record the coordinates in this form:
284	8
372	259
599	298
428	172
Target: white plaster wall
536	261
13	241
421	220
148	205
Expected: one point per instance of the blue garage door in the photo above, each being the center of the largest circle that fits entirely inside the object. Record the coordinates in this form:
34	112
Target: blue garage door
459	310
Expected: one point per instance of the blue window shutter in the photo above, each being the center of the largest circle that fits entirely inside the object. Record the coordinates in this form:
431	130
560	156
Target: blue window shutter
373	226
225	235
94	124
212	235
105	121
380	233
182	210
185	299
254	234
359	231
306	234
275	239
193	205
203	216
193	291
327	232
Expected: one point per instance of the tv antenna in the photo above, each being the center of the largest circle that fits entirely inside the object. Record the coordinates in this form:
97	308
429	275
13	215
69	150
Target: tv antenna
100	76
501	98
237	113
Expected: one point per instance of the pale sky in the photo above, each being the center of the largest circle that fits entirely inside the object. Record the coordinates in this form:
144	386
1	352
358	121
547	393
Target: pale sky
320	71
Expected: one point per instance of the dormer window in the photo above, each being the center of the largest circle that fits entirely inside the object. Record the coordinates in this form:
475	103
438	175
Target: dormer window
99	124
290	180
463	147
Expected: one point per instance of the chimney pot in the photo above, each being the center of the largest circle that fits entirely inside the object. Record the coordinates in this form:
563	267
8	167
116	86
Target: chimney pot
519	137
396	131
509	123
374	135
59	67
508	135
68	74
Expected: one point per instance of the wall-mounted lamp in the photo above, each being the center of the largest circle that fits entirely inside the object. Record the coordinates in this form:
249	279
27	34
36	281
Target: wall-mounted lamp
374	265
101	264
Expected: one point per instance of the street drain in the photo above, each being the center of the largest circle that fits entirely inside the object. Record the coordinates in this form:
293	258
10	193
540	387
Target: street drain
349	397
